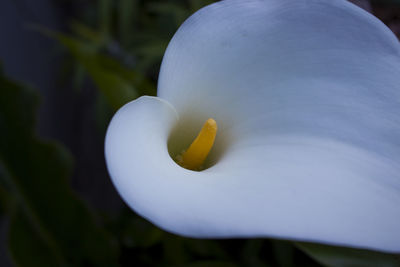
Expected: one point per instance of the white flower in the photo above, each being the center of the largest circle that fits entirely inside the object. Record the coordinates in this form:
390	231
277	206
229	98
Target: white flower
306	95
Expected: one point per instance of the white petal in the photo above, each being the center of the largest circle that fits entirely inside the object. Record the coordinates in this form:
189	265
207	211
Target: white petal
307	95
263	57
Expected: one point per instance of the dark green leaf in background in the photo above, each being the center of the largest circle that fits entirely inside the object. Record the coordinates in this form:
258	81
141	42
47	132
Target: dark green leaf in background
347	257
118	83
128	12
27	245
105	8
49	225
116	89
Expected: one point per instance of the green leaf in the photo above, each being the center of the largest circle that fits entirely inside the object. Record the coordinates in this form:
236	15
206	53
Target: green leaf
174	250
251	252
348	257
151	52
283	252
116	89
127	17
115	81
197	4
139	233
206	249
105	16
143	85
27	246
87	33
178	12
48	216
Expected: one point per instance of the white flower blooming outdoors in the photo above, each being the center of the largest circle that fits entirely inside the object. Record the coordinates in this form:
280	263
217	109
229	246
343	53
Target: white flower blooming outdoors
306	96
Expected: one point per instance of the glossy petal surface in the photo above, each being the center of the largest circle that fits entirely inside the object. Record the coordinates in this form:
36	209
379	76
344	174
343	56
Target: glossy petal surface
306	96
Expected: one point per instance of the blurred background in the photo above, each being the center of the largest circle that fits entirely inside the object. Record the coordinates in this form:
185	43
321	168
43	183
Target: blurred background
65	68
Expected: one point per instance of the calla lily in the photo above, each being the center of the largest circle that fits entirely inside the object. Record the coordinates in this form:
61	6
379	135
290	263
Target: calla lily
306	96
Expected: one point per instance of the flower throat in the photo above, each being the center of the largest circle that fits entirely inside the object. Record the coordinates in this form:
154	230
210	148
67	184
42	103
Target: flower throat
194	157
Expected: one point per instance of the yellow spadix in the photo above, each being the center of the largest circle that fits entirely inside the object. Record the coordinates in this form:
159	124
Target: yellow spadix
194	157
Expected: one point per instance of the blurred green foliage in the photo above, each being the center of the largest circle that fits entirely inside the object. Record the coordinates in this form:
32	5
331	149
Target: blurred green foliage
347	257
119	45
50	225
128	38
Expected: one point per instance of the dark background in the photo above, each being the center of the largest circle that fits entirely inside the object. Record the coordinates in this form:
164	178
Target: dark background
75	112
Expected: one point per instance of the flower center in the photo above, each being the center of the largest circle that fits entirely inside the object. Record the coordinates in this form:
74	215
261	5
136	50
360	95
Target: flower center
194	157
